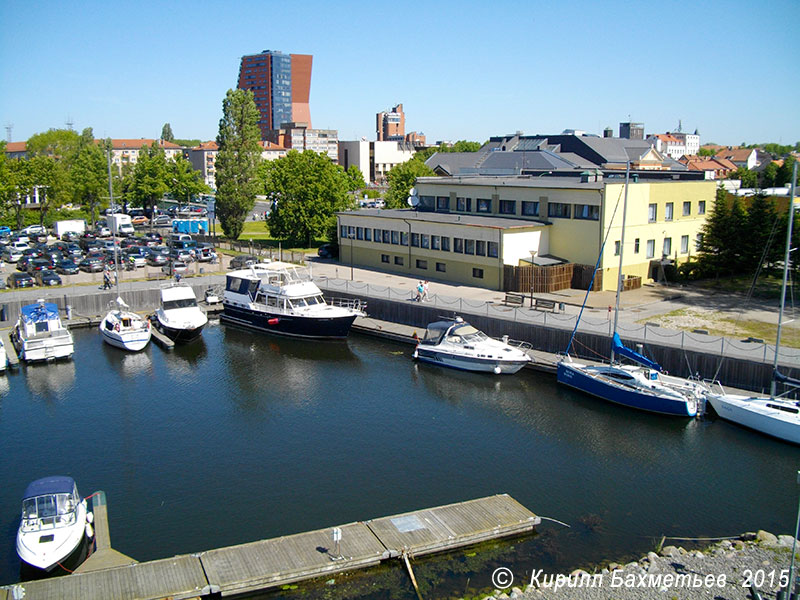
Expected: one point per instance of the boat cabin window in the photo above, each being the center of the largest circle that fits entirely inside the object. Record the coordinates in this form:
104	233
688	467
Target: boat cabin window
467	334
49	510
297	302
42	327
787	409
620	376
312	300
178	303
237	284
109	325
274	302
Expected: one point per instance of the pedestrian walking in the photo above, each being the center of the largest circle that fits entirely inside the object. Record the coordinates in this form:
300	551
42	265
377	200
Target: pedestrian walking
106	280
425	291
420	289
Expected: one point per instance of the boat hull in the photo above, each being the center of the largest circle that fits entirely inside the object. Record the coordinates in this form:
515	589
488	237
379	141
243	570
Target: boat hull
181	335
469	363
132	341
578	377
65	543
314	327
55	348
754	413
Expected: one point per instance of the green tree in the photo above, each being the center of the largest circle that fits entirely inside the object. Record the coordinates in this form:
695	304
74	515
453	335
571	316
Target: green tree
714	238
60	144
89	175
401	179
307	190
183	181
166	133
784	174
768	176
748	178
237	160
706	152
49	178
459	146
149	176
759	227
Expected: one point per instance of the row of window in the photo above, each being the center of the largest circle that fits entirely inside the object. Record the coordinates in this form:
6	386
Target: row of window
666	248
669	210
422	240
423	265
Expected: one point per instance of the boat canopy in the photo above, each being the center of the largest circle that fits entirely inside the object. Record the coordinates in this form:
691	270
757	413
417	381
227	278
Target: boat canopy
39	312
57	484
616	344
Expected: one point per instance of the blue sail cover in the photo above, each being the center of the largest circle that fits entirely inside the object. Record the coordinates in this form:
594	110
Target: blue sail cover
41	311
781	378
618	348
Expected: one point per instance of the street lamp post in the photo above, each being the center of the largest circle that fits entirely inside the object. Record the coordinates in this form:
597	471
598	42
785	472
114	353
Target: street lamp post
351	235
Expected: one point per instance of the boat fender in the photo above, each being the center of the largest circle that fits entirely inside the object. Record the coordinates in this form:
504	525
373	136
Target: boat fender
89	531
416	354
273	321
497	370
147	324
90	516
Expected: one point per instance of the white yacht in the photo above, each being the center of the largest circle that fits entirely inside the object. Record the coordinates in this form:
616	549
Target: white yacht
3	357
54	522
282	298
179	316
125	329
40	335
459	345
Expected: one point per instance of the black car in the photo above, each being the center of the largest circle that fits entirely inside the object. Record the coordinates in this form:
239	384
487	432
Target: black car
70	236
157	259
152	236
39	264
67	267
328	251
92	264
19	280
243	260
47	277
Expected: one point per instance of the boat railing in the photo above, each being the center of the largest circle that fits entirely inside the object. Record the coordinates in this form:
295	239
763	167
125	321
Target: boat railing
519	344
350	303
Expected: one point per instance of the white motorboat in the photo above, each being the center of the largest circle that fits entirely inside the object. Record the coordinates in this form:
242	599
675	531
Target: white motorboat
54	522
772	415
40	335
459	345
179	316
3	357
282	298
125	329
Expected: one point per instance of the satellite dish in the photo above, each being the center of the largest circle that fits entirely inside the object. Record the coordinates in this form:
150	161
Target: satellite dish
413	201
412	191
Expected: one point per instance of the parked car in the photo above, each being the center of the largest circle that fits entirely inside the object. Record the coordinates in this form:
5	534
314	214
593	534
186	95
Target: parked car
4	230
139	220
70	236
135	258
10	255
205	253
181	254
175	266
328	251
162	221
243	260
20	280
157	259
39	264
103	232
47	277
67	267
34	230
153	236
91	264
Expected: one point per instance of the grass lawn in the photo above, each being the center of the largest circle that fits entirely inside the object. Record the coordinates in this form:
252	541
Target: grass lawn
767	286
258	231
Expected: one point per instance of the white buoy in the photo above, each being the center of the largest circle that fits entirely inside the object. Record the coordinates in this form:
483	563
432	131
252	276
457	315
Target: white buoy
497	370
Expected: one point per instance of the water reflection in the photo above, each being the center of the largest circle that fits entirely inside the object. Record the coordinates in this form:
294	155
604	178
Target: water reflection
5	385
52	380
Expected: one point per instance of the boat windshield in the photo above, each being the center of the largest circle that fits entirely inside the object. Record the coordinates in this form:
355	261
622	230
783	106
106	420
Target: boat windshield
50	510
180	303
307	301
468	334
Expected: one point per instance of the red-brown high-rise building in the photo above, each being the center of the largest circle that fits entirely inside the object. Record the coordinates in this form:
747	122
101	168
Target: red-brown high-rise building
391	126
281	84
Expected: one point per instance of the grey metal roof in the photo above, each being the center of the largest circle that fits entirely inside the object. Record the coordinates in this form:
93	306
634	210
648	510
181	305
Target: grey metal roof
526	181
410	215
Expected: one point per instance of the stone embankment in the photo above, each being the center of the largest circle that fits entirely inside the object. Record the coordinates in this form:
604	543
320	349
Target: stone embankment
727	570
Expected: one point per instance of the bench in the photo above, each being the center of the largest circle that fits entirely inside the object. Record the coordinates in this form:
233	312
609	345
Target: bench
543	303
514	299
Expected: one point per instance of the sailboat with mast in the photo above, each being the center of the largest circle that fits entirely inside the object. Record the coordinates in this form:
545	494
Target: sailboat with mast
643	385
122	327
773	415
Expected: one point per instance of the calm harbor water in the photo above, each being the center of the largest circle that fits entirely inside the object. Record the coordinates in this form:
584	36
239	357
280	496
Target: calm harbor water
243	436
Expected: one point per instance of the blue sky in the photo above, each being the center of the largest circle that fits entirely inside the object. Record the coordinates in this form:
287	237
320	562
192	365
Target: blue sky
463	70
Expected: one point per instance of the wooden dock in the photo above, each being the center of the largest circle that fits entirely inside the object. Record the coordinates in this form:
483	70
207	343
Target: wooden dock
265	564
11	352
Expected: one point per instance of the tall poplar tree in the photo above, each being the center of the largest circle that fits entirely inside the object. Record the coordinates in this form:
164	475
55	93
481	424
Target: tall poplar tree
237	160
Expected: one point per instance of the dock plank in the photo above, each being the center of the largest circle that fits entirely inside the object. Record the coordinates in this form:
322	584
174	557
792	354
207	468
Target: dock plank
267	563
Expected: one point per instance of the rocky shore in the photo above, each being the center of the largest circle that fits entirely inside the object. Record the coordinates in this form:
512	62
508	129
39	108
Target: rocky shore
723	571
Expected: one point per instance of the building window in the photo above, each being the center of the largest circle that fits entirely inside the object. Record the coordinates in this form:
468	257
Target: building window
436	242
667	246
425	240
359	233
587	211
395	237
422	264
687	209
415	240
636	246
616	248
403	238
445	244
530	209
443	203
651	248
484	205
652	213
376	235
343	232
701	207
464	204
367	234
398	260
441	268
492	249
469	246
684	244
508	207
477	273
480	248
385	258
458	245
559	210
668	211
